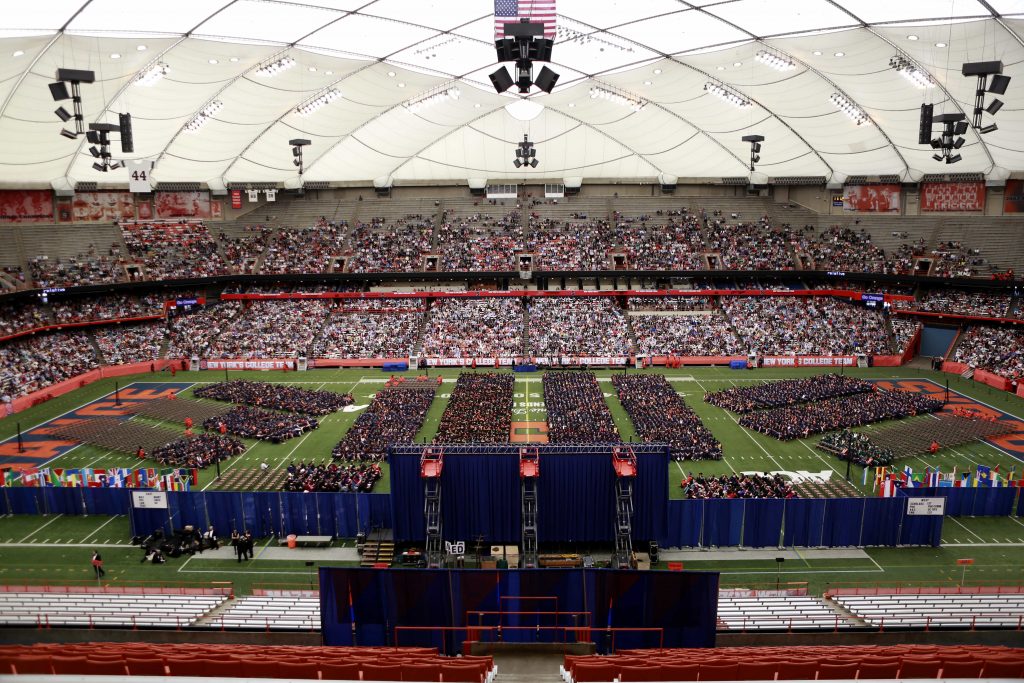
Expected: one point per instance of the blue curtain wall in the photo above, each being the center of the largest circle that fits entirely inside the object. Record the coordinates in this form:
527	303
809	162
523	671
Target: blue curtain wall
765	523
364	607
973	502
481	494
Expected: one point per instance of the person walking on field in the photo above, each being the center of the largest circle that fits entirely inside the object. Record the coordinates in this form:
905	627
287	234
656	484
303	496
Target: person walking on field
97	564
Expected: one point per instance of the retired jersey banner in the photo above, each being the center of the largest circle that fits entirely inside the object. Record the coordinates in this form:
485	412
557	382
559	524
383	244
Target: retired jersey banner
26	206
102	207
183	205
953	196
236	199
872	198
1013	197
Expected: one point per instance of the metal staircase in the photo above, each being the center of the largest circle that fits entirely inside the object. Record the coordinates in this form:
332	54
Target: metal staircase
624	462
529	471
431	464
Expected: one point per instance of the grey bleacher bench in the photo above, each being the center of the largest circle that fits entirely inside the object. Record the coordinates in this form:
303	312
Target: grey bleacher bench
309	541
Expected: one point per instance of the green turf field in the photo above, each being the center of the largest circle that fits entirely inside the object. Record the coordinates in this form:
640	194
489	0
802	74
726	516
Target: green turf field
58	547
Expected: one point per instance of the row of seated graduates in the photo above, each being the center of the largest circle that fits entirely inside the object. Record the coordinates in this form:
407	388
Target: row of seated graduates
798	663
246	661
187	541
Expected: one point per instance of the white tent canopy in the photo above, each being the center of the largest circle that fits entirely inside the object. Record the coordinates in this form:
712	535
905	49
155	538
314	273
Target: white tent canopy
380	55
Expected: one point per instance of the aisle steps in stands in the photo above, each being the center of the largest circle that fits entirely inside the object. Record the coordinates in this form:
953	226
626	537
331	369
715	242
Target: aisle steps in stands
377	552
999	240
287	613
841	609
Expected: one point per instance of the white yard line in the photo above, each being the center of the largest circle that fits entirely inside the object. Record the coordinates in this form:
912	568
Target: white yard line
97	529
33	533
954	519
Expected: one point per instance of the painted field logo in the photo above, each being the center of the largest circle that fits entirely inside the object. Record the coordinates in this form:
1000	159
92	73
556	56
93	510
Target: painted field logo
529	432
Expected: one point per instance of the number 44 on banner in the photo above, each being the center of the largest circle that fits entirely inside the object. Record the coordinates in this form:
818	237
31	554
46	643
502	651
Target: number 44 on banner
138	175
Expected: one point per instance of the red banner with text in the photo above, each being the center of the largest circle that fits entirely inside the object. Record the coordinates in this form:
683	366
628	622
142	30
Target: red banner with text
953	196
808	361
26	206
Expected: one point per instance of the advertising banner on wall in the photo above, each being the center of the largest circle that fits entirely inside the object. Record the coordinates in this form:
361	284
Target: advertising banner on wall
872	198
185	205
26	206
953	196
808	361
1013	198
102	207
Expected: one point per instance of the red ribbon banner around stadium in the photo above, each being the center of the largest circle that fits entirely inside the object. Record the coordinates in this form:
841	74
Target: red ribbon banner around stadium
808	361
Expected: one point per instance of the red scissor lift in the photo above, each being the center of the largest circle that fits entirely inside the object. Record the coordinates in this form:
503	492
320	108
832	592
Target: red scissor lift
431	464
624	462
529	471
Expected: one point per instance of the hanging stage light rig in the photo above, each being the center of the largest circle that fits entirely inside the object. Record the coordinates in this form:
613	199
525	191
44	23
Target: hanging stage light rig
526	154
998	87
755	148
297	145
953	128
59	92
524	44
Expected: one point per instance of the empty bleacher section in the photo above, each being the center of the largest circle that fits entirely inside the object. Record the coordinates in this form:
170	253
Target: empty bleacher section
290	610
69	256
785	613
911	608
834	662
125	607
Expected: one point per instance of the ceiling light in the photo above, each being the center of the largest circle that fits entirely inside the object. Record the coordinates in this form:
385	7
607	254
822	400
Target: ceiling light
648	82
18	53
153	73
775	61
401	85
840	54
273	68
320	100
140	48
213	61
621	98
721	68
204	116
391	74
720	91
329	73
940	45
432	98
737	63
657	72
233	59
572	104
312	69
817	53
115	55
845	105
911	37
909	70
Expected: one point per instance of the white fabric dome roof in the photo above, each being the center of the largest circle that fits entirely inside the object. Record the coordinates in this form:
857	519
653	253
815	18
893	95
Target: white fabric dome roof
380	54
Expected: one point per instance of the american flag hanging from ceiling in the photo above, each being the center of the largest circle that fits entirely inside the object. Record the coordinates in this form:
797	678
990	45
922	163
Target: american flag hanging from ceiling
511	11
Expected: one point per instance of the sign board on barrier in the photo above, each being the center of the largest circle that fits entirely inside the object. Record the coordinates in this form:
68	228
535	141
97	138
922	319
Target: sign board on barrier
149	500
926	506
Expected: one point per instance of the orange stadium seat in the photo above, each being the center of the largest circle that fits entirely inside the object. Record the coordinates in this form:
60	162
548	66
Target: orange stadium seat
871	670
718	672
298	670
827	670
450	673
339	672
920	668
382	672
756	671
680	672
28	664
961	668
1003	668
138	666
421	672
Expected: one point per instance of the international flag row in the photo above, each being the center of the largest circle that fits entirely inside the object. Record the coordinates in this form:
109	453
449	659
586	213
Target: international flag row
888	479
163	479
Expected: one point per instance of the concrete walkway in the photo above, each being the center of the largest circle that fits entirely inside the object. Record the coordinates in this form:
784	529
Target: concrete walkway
272	552
738	555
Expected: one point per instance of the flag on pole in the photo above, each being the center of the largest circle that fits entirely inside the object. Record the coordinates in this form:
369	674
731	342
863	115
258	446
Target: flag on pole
933	479
8	478
30	477
511	11
984	478
906	475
